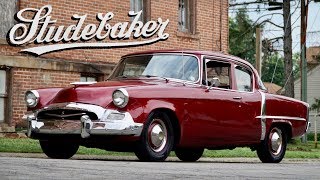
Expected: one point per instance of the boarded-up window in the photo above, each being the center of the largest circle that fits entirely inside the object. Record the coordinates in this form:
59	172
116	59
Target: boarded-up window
8	9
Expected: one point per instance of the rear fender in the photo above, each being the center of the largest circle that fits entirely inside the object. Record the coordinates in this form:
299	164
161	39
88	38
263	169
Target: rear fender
284	124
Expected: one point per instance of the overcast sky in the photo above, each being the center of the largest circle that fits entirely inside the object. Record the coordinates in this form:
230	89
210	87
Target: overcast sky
270	31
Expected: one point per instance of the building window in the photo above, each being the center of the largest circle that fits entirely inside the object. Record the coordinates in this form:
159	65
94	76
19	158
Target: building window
88	78
144	5
8	10
187	11
3	94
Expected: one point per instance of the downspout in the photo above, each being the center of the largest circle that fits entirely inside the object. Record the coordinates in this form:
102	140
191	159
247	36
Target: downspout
221	25
213	29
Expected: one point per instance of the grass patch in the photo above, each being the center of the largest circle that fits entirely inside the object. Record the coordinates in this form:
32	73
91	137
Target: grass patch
95	151
294	150
237	152
22	145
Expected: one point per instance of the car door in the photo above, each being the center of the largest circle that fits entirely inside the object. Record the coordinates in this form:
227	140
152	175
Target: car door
215	108
225	114
248	128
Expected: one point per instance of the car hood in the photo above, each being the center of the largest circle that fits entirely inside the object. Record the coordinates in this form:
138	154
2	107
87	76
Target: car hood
98	93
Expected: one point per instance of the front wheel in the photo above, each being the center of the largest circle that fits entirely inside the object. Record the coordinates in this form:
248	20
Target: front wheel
59	149
189	155
156	140
273	148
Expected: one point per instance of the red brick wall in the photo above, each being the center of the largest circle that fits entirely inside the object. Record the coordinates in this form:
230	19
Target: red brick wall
209	25
24	79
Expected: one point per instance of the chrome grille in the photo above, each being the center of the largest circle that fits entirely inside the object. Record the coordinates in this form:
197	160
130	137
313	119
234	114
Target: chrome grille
64	114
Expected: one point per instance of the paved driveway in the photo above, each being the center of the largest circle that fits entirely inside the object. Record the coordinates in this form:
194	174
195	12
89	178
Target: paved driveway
97	167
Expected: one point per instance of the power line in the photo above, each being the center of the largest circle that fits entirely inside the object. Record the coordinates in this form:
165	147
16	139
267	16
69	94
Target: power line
315	18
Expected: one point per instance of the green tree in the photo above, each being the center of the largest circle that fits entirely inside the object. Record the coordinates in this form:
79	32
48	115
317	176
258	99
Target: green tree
273	68
316	105
242	36
242	42
273	64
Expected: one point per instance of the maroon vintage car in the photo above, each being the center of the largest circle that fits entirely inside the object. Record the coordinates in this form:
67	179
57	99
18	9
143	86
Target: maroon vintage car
158	101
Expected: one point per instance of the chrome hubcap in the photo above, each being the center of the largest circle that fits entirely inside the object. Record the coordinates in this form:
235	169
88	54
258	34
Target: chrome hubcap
157	135
275	141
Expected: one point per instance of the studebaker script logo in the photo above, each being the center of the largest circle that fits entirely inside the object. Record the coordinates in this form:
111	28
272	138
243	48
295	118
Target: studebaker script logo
41	29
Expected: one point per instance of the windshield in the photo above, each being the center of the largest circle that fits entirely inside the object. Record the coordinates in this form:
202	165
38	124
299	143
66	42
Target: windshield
183	67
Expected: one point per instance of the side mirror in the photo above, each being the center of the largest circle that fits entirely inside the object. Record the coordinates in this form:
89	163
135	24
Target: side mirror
214	82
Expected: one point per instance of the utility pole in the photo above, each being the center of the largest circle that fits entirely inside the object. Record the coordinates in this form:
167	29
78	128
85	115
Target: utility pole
258	50
287	48
303	61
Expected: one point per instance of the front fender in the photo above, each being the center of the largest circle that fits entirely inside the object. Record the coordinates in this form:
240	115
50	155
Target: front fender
45	96
141	110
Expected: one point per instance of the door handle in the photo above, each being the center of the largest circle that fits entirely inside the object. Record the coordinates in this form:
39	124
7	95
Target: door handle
237	97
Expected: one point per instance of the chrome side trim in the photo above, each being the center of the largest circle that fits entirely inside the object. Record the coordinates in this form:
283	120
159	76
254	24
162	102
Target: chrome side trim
308	126
263	116
308	117
283	118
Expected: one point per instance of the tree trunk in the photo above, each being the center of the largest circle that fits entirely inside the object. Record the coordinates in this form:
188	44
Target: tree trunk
287	47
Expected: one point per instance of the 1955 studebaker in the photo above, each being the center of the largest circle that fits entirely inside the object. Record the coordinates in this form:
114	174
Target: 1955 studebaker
158	101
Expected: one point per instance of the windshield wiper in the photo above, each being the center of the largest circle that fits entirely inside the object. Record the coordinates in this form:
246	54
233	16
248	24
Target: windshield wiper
123	76
149	76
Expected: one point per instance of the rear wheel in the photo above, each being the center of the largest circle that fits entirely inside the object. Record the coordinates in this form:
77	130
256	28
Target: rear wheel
189	155
273	148
59	149
156	139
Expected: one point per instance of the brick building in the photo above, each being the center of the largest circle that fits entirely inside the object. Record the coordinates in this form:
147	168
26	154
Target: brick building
194	24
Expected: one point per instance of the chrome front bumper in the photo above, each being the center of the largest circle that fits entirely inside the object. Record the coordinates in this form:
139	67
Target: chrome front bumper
105	125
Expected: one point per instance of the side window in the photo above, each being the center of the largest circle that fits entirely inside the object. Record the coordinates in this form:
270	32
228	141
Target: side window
217	73
243	79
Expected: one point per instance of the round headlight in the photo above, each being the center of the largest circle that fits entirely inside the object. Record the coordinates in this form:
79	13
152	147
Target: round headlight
32	98
120	98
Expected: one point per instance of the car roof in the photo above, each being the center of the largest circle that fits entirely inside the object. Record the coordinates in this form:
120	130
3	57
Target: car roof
195	52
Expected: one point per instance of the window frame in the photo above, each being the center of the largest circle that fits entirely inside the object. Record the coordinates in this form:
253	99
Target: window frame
7	100
198	81
98	77
146	9
190	18
206	60
17	5
252	76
